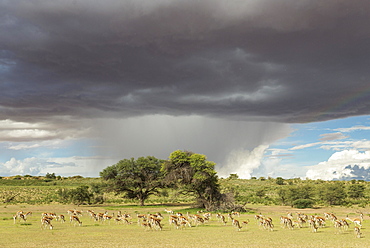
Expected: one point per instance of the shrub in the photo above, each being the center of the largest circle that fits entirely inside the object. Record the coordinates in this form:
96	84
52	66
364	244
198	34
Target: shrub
303	203
50	176
279	181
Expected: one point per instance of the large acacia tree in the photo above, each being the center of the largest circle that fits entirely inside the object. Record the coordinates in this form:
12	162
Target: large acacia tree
192	173
137	179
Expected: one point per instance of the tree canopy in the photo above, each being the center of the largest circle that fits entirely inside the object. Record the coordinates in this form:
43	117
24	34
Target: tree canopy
334	194
137	179
193	174
356	191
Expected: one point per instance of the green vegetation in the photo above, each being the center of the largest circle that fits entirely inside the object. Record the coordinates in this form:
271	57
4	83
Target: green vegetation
186	177
137	179
78	196
297	192
186	183
193	174
294	192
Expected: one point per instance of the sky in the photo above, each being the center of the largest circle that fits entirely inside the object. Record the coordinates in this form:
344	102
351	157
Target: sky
261	87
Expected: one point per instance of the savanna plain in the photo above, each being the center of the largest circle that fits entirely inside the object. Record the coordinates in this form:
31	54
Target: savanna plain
212	233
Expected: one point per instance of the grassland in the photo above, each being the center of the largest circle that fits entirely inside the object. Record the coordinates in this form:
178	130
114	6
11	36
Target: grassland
210	234
38	194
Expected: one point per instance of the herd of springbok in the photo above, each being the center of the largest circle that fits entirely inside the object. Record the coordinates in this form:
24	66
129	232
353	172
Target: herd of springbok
154	221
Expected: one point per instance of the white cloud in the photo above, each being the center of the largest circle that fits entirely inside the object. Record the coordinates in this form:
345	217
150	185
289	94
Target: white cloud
336	145
351	129
30	166
48	144
69	166
305	146
275	165
362	144
59	128
332	136
9	124
276	153
337	165
13	130
23	146
243	162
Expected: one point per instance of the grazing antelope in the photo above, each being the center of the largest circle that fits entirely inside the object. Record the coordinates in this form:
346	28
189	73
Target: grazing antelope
221	218
100	217
46	222
15	218
172	217
338	226
183	219
21	216
258	217
286	222
196	219
230	217
313	225
77	212
302	218
245	222
357	232
207	216
355	221
51	215
61	218
361	217
156	223
332	217
319	221
122	219
297	223
76	220
147	226
18	216
266	223
235	213
168	211
236	224
327	215
290	215
141	218
301	221
344	224
156	215
108	218
175	222
179	224
74	212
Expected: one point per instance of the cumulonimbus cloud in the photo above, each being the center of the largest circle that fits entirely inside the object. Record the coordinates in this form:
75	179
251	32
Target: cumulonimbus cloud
274	60
66	66
340	166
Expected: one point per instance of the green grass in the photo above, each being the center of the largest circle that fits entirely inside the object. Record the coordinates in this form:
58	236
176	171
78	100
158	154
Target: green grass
211	234
39	190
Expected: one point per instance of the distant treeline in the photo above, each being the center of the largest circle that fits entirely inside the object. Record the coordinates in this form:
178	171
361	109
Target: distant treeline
295	192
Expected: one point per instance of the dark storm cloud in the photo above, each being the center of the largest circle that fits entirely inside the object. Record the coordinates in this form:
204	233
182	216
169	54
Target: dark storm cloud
287	61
